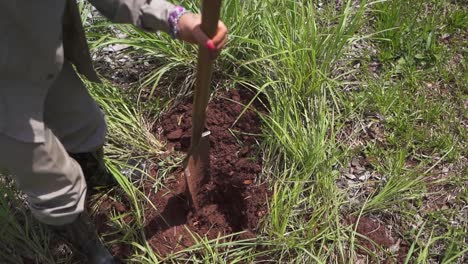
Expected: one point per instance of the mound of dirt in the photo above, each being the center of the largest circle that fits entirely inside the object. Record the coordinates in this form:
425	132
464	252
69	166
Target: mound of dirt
379	236
232	201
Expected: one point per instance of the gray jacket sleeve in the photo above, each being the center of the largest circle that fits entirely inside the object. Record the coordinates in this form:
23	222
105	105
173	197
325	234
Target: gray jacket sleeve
151	15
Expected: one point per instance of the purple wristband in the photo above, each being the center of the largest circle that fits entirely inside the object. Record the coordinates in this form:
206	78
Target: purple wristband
173	20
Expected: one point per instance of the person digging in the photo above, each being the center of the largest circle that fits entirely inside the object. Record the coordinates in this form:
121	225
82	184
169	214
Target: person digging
51	131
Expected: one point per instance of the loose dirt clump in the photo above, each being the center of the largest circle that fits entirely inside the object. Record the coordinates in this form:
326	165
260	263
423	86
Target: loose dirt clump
379	237
232	199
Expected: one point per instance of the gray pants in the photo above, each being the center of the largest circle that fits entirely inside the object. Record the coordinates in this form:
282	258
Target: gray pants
54	182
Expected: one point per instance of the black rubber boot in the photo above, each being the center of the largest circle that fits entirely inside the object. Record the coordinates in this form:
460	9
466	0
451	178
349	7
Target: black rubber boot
94	169
83	236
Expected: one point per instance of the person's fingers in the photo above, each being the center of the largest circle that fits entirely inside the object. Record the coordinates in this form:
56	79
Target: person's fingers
215	44
200	37
221	33
210	45
221	45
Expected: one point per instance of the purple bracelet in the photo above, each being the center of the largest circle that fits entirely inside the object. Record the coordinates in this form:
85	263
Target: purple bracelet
173	20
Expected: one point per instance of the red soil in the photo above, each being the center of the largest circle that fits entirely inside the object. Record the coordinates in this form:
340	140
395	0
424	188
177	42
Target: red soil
380	237
232	200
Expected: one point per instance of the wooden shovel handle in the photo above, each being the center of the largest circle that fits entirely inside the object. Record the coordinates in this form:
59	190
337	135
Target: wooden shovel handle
210	17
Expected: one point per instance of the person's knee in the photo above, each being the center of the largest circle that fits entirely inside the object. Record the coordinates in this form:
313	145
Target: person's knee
61	198
60	207
52	181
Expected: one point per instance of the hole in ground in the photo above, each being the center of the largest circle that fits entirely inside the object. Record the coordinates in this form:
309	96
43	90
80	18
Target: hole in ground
232	201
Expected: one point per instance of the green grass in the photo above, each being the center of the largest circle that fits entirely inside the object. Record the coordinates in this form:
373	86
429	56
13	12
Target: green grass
311	63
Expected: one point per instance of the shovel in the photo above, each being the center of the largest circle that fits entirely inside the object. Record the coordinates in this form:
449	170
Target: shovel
198	159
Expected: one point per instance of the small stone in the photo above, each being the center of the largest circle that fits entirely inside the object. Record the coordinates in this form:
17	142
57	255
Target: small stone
174	135
121	35
374	175
350	176
445	38
128	65
359	170
355	162
119	207
445	170
395	247
248	182
119	47
351	182
342	184
236	98
242	163
361	259
364	177
244	151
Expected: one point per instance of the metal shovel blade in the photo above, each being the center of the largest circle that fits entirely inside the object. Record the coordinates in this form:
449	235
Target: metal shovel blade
197	172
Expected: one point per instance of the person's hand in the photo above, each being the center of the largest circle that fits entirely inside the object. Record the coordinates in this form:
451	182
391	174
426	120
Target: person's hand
190	30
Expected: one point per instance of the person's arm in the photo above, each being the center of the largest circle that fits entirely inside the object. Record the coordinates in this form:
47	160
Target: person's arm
150	15
158	15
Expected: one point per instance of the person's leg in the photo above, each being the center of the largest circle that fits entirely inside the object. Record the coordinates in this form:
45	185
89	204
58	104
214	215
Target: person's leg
55	189
79	124
73	115
54	183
